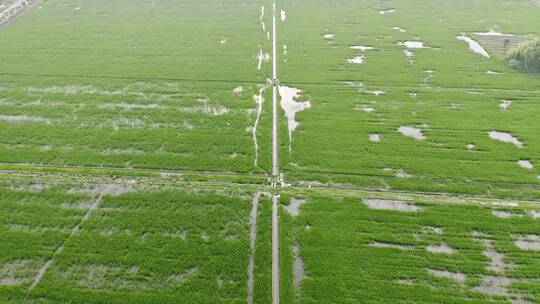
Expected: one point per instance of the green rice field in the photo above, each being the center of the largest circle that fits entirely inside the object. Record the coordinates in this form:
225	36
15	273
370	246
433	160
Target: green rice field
136	152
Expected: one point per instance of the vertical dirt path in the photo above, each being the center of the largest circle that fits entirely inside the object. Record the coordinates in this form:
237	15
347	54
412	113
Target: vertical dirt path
252	240
275	164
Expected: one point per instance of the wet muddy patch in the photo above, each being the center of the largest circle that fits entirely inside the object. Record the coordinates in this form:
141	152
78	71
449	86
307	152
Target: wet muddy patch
23	118
504	214
390	245
395	205
528	242
442	248
293	208
16	272
506	138
455	276
412	132
298	268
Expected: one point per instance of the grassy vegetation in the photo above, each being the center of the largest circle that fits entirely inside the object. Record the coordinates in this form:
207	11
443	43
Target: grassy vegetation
140	247
456	100
138	85
343	266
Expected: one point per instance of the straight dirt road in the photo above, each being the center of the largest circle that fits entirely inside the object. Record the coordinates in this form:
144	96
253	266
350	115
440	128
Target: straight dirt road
275	164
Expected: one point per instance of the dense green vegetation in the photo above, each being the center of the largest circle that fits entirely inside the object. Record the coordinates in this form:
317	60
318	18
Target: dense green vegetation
353	253
144	85
450	93
526	56
139	247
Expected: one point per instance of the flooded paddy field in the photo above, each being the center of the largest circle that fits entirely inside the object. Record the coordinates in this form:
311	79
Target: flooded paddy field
146	85
118	243
376	250
439	98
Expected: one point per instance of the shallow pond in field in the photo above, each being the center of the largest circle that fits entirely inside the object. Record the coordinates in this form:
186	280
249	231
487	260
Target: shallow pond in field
504	214
375	137
505	104
395	205
356	60
376	92
474	45
505	137
291	106
361	48
298	270
388	11
496	258
525	164
411	132
293	208
328	36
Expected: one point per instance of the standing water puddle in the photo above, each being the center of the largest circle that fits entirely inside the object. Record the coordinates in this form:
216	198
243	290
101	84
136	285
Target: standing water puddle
413	44
375	137
259	100
412	132
291	107
356	60
395	205
261	19
361	48
525	164
505	104
505	137
262	57
298	268
294	207
388	11
473	45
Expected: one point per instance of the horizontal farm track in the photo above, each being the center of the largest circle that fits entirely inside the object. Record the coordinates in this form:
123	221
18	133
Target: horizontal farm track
139	145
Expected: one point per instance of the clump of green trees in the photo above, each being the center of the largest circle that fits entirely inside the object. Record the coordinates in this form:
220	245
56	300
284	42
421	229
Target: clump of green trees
526	56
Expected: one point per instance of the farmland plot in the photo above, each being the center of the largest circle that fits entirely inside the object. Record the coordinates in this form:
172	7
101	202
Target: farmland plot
133	246
375	70
383	251
147	84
